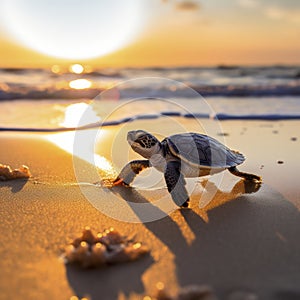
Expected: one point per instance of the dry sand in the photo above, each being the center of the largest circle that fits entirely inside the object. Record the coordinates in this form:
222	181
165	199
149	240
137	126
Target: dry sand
239	242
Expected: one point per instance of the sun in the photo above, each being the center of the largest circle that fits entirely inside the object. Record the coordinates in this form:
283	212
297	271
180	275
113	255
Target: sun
74	29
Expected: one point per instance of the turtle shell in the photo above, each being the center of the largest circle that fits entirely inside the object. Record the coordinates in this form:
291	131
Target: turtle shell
202	150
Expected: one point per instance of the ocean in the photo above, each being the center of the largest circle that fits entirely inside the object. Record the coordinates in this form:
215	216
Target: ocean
53	99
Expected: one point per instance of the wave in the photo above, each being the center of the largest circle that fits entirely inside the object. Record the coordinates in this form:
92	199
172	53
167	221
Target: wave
219	116
224	81
263	117
248	91
48	94
205	91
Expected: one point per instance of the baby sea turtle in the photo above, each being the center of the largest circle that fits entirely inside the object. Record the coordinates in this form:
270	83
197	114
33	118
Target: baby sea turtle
178	156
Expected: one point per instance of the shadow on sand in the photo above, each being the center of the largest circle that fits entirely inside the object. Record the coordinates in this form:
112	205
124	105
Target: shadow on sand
249	244
110	282
15	185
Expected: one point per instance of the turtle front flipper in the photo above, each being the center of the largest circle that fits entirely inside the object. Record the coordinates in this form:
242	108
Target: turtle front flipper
130	171
176	184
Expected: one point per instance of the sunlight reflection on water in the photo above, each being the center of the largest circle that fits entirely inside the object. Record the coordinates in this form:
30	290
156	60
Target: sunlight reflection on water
66	141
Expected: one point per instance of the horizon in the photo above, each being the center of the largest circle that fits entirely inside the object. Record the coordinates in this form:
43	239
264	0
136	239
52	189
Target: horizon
64	67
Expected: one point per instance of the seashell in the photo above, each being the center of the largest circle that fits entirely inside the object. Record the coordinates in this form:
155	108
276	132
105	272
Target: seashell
114	236
24	169
81	251
126	253
87	235
77	242
70	253
110	237
98	254
6	173
116	255
109	247
134	251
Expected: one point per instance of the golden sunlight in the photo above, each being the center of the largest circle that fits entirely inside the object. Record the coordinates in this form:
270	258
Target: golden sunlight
76	68
80	84
66	141
79	114
55	69
104	165
84	30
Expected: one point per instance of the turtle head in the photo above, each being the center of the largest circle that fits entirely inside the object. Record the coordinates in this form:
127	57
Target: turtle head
143	143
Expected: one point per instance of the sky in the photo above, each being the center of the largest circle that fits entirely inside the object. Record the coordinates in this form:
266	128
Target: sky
140	33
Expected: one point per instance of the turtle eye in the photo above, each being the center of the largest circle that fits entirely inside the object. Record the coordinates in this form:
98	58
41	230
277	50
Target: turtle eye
141	143
146	141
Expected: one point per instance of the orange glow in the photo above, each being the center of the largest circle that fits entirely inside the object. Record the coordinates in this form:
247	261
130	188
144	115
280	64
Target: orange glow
216	34
76	68
79	114
80	84
55	69
65	141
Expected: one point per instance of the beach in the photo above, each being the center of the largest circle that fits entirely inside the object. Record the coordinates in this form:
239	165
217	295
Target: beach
108	111
245	239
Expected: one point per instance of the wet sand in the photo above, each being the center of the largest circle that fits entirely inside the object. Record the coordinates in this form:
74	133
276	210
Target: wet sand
240	241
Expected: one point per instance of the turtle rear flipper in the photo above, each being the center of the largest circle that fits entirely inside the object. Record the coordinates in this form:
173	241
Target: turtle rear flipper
176	184
247	176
